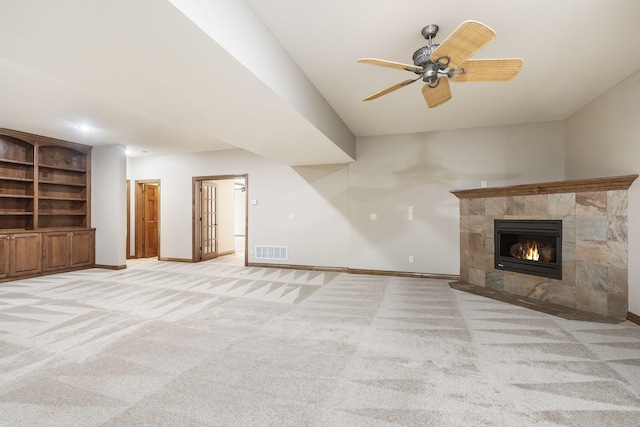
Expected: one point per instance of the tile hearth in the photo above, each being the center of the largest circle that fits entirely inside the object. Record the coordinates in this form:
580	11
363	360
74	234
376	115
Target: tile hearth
594	242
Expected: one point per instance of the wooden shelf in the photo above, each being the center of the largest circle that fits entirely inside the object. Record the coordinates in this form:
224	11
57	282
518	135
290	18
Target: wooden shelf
16	162
15	213
61	214
10	178
16	196
45	182
571	186
62	168
62	199
67	184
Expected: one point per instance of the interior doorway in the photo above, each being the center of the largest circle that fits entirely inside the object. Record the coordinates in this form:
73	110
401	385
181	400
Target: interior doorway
220	223
208	221
147	219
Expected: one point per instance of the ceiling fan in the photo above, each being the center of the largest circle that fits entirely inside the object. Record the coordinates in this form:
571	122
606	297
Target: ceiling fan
436	64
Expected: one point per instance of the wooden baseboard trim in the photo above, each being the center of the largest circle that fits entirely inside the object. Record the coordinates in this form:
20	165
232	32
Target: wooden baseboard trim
403	274
298	267
231	252
335	269
110	267
175	259
357	271
633	318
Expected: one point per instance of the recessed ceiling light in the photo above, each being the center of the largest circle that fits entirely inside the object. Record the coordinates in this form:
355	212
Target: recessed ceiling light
85	128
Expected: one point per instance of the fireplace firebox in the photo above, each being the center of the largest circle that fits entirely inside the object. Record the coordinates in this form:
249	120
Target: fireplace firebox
529	247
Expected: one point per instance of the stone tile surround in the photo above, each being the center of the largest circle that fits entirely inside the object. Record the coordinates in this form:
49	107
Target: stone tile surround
594	241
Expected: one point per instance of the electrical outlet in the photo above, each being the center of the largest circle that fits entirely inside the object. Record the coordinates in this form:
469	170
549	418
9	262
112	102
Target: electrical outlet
483	184
410	259
373	217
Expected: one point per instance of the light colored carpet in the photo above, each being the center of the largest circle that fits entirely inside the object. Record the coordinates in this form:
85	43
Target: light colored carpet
215	343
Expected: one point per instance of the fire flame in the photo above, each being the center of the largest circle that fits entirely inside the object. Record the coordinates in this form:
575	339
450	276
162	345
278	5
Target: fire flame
531	252
526	250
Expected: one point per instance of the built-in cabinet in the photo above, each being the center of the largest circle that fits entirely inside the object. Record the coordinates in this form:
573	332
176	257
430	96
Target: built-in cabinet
4	256
19	255
45	223
68	249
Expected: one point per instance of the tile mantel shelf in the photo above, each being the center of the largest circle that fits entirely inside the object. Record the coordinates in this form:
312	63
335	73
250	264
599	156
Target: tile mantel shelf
571	186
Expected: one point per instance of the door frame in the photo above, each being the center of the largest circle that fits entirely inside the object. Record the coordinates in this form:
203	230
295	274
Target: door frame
128	219
194	205
139	225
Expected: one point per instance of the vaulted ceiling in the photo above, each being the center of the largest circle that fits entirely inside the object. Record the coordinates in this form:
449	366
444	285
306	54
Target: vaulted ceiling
280	78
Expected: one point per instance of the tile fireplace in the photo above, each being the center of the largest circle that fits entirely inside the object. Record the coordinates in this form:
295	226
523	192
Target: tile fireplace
582	250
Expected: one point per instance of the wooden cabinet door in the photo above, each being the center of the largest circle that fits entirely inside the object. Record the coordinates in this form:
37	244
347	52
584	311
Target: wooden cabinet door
4	255
56	251
151	244
26	255
82	250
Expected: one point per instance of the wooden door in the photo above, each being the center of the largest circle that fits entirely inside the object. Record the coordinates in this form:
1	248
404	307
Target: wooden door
25	255
4	255
208	220
150	220
82	248
56	251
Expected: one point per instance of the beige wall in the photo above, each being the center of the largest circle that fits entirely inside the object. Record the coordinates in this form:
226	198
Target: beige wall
226	216
603	139
109	203
303	208
322	213
393	173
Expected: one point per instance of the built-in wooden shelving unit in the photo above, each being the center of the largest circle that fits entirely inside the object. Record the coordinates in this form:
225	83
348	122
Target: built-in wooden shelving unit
44	193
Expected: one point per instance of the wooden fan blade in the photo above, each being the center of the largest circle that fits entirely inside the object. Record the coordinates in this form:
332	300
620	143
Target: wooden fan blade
437	95
489	70
389	89
465	41
390	64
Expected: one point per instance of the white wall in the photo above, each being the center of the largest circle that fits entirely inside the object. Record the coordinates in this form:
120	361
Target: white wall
109	204
395	172
240	211
603	139
226	216
316	196
321	213
235	26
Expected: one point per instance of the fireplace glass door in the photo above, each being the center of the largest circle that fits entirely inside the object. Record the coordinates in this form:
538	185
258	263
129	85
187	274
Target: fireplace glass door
529	247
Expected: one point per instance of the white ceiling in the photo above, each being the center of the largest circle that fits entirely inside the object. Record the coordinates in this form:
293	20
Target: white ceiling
144	75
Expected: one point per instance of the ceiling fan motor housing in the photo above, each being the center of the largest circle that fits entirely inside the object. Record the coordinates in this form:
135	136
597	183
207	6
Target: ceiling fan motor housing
422	55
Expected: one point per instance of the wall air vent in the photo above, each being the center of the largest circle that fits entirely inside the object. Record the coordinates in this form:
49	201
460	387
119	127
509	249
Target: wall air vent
271	252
